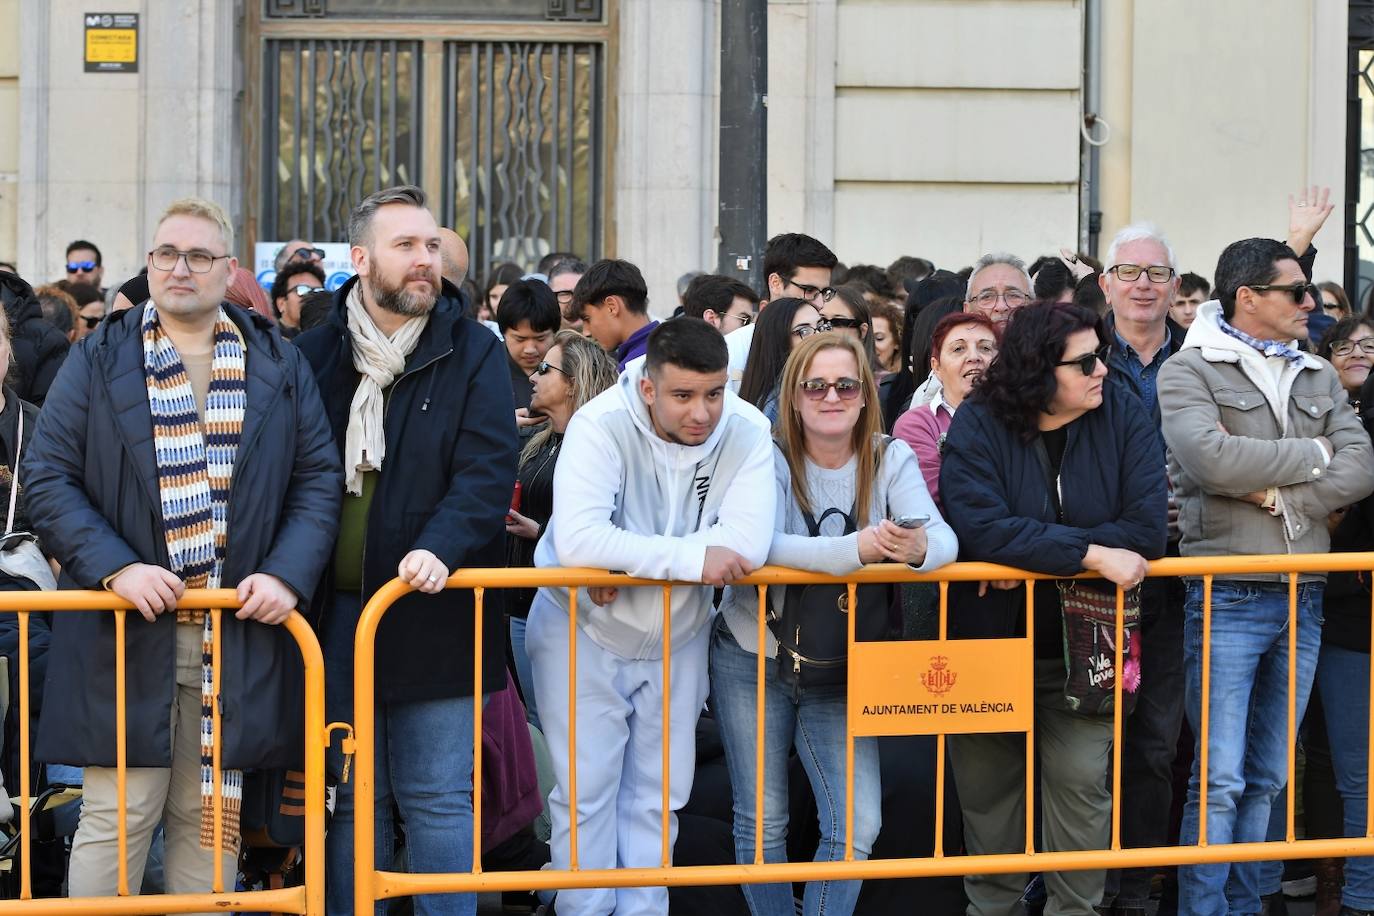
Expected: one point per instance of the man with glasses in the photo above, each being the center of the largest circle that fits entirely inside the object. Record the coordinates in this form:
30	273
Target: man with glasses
146	478
85	265
723	302
297	251
612	301
563	277
998	286
1263	447
300	279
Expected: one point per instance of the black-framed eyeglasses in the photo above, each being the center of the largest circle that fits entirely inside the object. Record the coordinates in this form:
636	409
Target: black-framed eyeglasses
1087	363
315	253
803	331
87	266
1346	347
305	289
544	367
92	321
197	261
809	293
987	299
1298	291
846	389
838	324
1129	273
563	296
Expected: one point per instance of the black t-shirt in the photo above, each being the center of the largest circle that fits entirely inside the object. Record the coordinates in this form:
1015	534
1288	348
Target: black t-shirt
1049	619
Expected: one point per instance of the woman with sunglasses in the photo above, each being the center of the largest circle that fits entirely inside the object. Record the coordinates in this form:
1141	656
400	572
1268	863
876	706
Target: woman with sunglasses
778	331
831	456
575	370
1052	467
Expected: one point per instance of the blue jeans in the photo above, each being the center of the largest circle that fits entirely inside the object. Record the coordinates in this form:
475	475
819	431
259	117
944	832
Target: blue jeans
1248	727
423	767
815	724
1344	674
523	672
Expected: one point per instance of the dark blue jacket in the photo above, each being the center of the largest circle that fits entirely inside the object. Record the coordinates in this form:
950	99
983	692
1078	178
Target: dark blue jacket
445	486
91	487
997	500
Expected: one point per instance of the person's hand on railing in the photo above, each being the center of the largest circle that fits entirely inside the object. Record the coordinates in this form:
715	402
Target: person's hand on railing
870	551
521	526
152	590
602	595
266	599
901	545
724	566
1125	568
423	571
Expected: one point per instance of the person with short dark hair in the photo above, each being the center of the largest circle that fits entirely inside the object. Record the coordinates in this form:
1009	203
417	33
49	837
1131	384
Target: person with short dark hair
904	273
499	277
1193	290
528	318
1049	466
563	276
289	288
1263	447
612	301
315	308
1334	300
723	302
85	264
667	475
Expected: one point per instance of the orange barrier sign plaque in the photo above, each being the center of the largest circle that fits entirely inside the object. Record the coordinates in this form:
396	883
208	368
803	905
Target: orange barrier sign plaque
949	686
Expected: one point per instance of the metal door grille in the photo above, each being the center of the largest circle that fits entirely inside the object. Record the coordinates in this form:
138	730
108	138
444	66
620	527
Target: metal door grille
343	120
522	126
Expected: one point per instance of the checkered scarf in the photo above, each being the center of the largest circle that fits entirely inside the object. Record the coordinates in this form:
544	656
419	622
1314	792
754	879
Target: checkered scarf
1266	347
195	465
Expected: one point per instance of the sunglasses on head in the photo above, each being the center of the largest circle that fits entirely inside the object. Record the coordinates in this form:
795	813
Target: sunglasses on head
87	266
317	253
816	389
544	367
1087	363
831	324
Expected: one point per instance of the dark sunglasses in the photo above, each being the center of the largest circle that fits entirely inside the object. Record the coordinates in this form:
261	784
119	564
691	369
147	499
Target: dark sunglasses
831	324
1087	363
1298	291
317	252
92	322
87	266
305	289
544	367
816	389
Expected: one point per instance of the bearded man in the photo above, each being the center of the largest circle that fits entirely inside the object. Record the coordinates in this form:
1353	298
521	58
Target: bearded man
420	404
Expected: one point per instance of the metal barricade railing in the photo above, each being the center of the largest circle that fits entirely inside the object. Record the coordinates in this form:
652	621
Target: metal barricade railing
306	899
372	884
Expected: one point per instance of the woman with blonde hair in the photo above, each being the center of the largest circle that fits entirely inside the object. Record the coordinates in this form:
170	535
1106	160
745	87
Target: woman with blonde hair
575	370
840	483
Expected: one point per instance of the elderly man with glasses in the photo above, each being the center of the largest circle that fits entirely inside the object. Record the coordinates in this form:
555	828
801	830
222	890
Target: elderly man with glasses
998	286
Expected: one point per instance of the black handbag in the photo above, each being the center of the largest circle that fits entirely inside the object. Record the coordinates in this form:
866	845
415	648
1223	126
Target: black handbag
812	628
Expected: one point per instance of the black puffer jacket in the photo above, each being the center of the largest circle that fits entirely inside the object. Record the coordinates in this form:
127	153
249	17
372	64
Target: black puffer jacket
39	348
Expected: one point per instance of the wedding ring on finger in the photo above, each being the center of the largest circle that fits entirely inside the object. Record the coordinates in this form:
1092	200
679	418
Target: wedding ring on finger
432	579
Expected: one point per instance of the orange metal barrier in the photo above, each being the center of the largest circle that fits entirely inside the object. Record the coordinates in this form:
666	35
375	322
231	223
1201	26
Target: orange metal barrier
372	884
307	899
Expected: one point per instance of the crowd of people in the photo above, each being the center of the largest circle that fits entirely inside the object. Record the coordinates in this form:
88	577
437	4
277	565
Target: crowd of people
189	429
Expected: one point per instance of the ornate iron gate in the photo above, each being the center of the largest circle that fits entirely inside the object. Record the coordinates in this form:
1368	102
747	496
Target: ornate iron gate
1359	155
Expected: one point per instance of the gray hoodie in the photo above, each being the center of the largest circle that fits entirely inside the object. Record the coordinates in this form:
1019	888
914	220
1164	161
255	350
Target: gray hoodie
626	499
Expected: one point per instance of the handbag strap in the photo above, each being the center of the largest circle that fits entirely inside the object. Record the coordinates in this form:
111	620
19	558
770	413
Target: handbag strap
14	471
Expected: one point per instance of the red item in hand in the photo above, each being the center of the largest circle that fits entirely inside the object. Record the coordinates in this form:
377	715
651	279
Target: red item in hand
514	501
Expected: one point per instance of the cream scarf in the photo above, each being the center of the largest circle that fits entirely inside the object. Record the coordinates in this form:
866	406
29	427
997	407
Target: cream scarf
380	359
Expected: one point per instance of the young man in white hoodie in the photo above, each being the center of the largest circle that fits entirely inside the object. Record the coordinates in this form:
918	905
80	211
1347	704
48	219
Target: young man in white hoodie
668	475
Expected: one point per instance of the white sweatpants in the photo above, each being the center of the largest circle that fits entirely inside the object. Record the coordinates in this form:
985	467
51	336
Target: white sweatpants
619	754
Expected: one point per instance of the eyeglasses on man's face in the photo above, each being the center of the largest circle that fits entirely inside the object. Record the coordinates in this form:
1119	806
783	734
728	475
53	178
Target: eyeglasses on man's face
811	293
987	299
741	318
305	289
1129	273
198	260
81	266
307	254
1299	291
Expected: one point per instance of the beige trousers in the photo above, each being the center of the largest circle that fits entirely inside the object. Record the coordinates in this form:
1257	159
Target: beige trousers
155	794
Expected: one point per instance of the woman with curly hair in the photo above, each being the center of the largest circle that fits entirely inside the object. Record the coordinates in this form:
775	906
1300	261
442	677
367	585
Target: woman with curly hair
1048	466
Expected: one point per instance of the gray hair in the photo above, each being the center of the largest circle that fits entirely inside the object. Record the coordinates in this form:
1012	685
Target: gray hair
568	266
998	257
360	220
1139	232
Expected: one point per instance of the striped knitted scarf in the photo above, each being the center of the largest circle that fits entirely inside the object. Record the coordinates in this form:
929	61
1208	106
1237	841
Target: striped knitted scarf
195	465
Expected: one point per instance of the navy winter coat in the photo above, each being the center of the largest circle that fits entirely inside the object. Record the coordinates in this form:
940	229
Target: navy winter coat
997	500
445	486
90	482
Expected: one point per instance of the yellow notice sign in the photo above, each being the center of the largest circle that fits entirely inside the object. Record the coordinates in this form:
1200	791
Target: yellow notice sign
949	686
111	42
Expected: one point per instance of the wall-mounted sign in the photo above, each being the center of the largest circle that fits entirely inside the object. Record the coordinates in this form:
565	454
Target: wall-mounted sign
112	42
